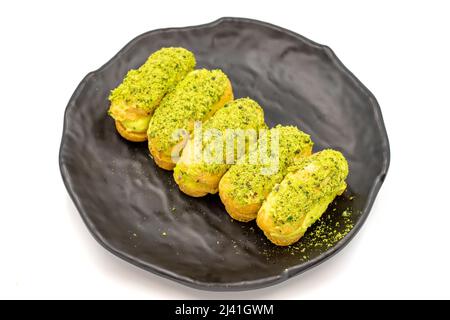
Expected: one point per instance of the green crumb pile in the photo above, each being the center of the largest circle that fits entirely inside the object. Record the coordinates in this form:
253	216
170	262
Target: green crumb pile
145	87
251	181
192	100
324	234
327	232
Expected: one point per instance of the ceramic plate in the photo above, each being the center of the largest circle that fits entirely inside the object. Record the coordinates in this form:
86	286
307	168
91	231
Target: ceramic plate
135	210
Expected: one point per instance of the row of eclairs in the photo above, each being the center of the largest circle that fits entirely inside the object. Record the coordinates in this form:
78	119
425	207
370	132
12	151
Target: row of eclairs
167	94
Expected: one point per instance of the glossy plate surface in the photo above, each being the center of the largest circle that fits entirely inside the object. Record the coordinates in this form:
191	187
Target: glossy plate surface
135	210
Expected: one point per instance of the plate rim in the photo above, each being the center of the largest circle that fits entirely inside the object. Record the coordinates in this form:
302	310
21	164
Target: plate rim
238	285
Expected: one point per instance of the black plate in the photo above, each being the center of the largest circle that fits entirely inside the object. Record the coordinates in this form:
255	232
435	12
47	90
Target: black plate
135	210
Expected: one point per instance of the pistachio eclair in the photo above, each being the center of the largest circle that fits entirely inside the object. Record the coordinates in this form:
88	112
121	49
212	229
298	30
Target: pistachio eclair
303	196
198	176
245	186
136	98
196	98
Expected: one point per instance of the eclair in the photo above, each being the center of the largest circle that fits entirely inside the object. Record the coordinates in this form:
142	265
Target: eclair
134	101
196	98
202	164
302	197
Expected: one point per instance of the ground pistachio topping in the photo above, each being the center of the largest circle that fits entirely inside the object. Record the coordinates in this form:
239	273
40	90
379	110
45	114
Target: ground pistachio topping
249	182
144	88
243	114
192	100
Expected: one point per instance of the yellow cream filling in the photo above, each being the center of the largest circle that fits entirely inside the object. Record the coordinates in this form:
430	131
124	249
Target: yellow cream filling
139	125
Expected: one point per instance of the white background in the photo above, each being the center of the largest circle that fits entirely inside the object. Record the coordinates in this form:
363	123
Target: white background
399	50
